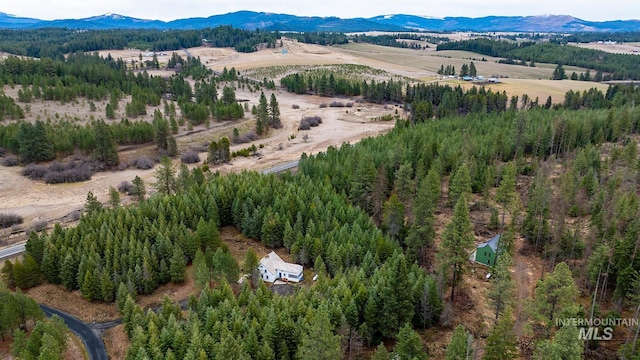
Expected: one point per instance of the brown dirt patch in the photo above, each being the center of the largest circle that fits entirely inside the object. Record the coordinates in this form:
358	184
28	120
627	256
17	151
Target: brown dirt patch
75	348
73	303
116	342
238	245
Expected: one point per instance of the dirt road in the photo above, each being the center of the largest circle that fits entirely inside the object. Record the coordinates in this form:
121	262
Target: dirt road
526	274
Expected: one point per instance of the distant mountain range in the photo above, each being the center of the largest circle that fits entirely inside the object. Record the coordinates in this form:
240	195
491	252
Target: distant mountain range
283	22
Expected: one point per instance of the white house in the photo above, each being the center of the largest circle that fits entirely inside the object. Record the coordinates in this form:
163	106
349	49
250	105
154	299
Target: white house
272	268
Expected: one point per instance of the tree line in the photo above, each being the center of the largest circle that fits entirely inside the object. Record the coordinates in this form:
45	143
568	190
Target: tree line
388	40
55	43
614	66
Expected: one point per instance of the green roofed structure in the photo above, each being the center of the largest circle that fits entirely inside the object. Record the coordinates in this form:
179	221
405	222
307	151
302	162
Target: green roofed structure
487	252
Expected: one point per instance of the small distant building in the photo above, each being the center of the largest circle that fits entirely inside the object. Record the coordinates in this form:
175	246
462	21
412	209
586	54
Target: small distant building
285	51
487	252
467	78
493	80
272	268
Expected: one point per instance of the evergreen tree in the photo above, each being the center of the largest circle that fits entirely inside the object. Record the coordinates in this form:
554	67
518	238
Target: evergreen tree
363	180
566	345
138	188
110	112
105	148
457	241
472	70
262	116
225	266
319	342
555	294
250	265
393	218
409	345
559	73
274	113
404	185
114	197
7	274
502	343
460	184
177	266
91	204
501	293
165	177
506	194
459	347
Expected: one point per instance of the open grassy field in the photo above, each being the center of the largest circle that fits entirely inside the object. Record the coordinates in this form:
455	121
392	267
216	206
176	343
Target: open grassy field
431	61
539	88
620	48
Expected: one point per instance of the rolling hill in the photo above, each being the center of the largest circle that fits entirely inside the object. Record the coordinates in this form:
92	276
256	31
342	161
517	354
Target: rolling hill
284	22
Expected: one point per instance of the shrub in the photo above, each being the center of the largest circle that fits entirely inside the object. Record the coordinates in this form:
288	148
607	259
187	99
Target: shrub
125	187
8	220
57	166
247	137
309	122
143	163
349	104
295	106
317	120
35	171
70	175
39	226
190	157
204	147
323	105
10	160
75	215
336	104
304	125
3	152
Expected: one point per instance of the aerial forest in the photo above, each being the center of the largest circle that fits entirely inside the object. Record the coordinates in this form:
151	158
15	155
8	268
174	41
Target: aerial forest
387	224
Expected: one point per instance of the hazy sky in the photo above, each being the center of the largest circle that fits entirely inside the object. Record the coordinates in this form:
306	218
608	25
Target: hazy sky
595	10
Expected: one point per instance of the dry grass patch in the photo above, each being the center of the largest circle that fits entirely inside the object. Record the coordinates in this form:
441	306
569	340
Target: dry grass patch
116	342
429	62
538	88
75	348
238	245
621	48
175	292
73	303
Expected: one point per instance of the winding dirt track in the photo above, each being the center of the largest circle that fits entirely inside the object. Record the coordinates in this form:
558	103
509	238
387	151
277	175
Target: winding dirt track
526	275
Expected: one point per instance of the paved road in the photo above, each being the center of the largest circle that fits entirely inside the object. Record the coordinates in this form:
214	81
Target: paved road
93	343
12	251
280	168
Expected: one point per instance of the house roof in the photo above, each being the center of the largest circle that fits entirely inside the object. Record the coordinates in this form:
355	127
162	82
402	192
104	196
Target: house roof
272	262
493	243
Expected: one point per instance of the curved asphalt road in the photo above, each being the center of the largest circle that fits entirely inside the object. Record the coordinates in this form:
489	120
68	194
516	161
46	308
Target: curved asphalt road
93	344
